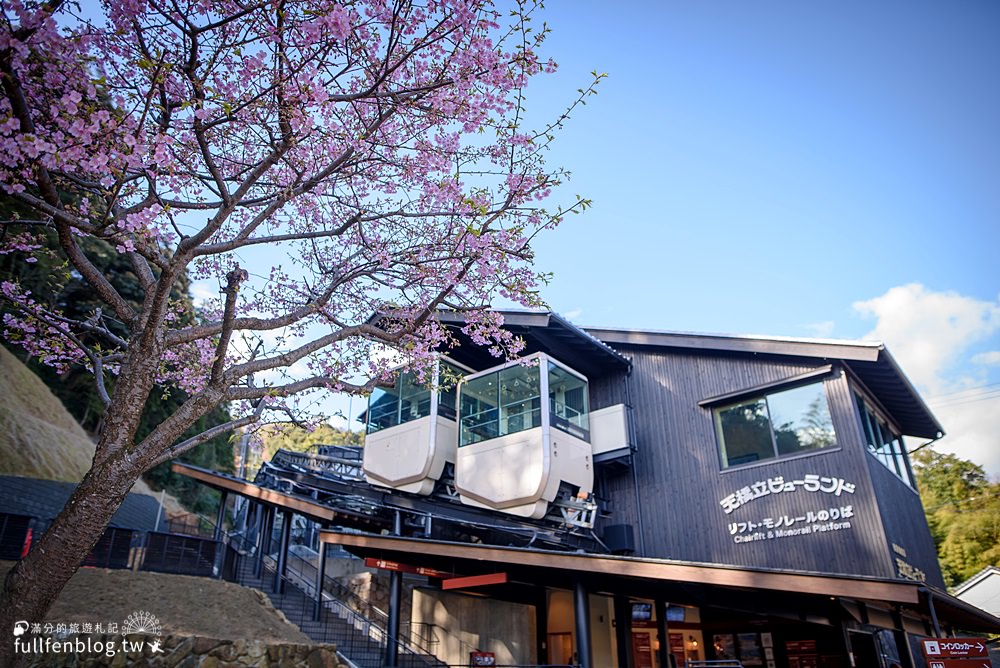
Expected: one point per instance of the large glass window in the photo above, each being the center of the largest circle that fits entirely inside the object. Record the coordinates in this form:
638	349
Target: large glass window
410	399
499	403
884	442
568	402
510	400
774	425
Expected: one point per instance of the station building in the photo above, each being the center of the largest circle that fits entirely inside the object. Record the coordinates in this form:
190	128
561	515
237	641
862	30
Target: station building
638	498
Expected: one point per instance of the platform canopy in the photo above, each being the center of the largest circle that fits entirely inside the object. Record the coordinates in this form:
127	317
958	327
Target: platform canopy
754	591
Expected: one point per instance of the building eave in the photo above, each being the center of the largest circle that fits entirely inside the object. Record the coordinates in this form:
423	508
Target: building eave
612	567
608	572
870	362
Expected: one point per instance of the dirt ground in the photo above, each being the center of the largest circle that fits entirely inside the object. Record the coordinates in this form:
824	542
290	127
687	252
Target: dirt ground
184	605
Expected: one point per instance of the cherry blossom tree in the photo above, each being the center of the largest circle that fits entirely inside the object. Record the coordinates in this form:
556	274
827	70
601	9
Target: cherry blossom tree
317	161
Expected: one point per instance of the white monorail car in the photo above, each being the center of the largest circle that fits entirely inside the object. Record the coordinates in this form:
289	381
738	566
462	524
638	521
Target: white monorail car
524	433
411	431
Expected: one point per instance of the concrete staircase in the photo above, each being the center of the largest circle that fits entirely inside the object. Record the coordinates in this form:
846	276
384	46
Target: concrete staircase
359	640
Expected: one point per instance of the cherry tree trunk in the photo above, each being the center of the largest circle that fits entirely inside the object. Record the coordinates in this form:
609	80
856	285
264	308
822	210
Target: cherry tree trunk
33	585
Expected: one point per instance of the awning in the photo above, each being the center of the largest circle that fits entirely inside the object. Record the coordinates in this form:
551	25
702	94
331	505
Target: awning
643	576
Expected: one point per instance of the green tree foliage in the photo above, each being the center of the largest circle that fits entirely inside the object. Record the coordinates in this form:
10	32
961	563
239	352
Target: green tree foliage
51	281
963	511
297	439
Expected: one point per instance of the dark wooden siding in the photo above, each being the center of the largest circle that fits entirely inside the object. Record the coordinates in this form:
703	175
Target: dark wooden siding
681	484
607	391
905	525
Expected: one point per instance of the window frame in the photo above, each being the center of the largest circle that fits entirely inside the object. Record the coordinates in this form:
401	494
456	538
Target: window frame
433	388
867	406
719	403
539	361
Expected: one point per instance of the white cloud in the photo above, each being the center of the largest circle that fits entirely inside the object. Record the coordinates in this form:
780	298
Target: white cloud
202	291
929	333
822	330
972	429
574	314
989	358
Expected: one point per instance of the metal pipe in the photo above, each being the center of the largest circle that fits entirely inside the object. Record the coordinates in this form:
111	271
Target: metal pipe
581	610
286	536
320	574
632	450
934	617
267	519
258	525
221	516
395	596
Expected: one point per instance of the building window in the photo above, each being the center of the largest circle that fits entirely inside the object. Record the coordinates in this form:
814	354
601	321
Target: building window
884	442
777	424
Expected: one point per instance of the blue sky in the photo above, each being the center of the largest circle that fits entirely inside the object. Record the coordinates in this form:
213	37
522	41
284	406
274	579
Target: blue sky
804	169
785	168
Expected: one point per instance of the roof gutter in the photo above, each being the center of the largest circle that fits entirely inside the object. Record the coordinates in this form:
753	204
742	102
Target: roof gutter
924	445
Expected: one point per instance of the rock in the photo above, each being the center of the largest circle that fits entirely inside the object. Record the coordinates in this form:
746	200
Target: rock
205	645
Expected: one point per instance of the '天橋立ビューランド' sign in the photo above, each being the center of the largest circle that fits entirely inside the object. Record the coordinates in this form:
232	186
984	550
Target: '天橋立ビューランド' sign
828	511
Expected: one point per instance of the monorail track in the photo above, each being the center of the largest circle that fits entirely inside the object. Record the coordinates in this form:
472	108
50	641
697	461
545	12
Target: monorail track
336	480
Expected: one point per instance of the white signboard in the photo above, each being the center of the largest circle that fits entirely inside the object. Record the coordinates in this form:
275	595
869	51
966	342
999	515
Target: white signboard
821	518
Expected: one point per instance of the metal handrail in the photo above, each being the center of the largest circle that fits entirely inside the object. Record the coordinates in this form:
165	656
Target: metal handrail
360	623
345	468
297	576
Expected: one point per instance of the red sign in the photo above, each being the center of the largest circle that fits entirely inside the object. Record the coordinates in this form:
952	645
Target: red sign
474	581
482	659
387	565
954	648
642	650
959	663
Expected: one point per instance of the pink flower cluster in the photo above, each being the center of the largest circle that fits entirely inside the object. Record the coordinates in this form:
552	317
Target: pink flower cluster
355	157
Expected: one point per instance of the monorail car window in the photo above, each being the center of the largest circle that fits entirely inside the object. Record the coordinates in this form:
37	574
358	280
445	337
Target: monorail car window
410	399
568	402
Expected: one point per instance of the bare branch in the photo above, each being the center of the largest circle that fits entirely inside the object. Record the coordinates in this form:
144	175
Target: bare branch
108	293
289	389
291	357
209	434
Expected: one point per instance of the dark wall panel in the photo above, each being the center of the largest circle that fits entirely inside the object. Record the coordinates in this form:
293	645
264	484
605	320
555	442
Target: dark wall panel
607	391
911	547
681	486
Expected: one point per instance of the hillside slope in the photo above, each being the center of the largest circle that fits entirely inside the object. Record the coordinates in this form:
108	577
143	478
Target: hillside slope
38	436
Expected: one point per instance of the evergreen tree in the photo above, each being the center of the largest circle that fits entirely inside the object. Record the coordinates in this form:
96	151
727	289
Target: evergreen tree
963	512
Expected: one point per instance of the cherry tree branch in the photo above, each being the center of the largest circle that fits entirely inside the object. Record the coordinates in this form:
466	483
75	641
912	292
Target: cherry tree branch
233	280
286	359
179	449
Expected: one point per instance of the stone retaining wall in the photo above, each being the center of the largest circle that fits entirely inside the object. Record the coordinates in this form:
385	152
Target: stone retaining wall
184	652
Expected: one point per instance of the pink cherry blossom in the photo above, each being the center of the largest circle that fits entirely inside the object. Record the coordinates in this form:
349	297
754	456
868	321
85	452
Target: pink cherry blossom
315	164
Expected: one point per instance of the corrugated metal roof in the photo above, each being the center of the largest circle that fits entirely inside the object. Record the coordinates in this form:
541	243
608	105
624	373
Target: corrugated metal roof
44	499
869	360
543	331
